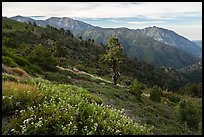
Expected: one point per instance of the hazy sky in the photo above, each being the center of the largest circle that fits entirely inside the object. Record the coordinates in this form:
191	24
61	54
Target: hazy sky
185	18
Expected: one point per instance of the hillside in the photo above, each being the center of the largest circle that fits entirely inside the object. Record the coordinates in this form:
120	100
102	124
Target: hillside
54	83
61	42
118	104
77	112
137	43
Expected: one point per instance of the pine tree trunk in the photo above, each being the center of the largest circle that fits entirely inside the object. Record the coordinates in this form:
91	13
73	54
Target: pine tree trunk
115	76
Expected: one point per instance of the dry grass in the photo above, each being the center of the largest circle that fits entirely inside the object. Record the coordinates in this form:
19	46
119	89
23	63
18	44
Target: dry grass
20	72
7	69
18	86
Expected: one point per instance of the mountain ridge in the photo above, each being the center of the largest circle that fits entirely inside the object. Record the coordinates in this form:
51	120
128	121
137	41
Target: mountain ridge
198	42
173	39
144	47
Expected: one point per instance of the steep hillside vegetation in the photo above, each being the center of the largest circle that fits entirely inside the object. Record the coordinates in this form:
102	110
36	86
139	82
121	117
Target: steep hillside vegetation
28	40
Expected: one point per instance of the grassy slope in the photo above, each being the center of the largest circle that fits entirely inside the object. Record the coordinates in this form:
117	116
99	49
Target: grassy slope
163	116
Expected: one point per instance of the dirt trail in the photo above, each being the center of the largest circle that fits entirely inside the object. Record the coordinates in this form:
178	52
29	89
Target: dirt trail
146	95
76	71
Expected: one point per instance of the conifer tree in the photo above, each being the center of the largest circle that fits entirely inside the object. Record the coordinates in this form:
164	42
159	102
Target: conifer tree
114	57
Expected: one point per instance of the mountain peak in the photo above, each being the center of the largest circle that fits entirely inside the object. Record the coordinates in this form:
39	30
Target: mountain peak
67	18
155	27
54	18
171	38
23	19
19	16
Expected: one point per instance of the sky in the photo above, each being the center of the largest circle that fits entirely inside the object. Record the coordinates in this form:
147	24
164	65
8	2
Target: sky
184	18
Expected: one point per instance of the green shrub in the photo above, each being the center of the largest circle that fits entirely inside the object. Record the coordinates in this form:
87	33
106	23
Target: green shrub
174	98
57	77
124	80
10	56
18	59
9	77
21	60
70	110
10	42
43	57
156	94
136	89
9	61
189	113
194	90
33	69
62	61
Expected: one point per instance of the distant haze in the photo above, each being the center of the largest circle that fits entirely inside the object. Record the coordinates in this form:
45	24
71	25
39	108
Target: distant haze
185	18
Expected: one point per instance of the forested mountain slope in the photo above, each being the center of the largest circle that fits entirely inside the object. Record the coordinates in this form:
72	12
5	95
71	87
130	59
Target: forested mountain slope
157	46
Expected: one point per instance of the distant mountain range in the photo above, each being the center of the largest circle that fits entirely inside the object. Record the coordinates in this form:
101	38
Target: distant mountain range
197	66
198	42
171	38
158	46
193	72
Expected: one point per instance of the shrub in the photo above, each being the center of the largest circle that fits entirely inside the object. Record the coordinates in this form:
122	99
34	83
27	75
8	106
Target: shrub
9	77
70	110
43	57
194	90
62	61
57	77
8	61
10	42
189	113
81	67
156	94
174	98
33	69
136	89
